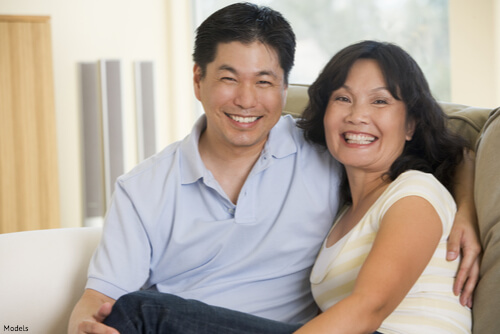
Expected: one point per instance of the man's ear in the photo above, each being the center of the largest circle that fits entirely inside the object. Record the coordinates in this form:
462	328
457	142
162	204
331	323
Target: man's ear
285	94
196	80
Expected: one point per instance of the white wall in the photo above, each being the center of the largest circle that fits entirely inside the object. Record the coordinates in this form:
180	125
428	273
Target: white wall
475	52
130	30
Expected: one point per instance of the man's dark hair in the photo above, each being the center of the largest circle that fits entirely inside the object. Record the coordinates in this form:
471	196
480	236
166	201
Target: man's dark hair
245	23
433	148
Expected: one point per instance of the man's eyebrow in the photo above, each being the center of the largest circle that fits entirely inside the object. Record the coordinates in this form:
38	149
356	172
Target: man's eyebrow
259	74
227	68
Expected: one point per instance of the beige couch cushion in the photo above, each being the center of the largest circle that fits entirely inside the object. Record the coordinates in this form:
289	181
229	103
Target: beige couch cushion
487	197
465	120
296	100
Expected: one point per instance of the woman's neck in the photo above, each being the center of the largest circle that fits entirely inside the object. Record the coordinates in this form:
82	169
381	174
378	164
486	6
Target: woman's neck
365	187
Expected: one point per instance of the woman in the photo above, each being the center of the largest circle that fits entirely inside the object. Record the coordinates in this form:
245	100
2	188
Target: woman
383	265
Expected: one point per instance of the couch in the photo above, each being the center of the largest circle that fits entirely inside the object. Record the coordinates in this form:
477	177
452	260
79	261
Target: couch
42	276
43	273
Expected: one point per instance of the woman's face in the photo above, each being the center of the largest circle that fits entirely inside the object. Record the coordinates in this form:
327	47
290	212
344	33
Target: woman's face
365	126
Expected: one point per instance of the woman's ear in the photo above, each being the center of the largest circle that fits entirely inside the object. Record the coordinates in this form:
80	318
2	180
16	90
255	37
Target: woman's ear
410	129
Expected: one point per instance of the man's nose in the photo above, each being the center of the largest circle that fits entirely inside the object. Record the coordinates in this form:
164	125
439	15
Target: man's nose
246	96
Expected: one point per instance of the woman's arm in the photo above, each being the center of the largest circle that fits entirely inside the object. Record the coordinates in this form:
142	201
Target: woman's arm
464	234
408	236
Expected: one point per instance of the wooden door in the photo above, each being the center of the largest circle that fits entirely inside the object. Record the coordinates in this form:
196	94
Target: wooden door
29	190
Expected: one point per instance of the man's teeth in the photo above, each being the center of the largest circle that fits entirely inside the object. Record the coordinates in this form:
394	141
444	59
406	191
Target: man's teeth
352	138
240	119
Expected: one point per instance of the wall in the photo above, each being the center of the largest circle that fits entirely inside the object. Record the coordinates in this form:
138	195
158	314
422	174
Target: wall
129	30
475	52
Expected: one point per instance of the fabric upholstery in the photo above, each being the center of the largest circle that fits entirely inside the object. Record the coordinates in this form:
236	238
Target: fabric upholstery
487	199
42	276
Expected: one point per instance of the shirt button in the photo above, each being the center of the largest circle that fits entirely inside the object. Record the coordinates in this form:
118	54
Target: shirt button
231	211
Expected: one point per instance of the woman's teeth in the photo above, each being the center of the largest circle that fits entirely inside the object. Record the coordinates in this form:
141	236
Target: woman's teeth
352	138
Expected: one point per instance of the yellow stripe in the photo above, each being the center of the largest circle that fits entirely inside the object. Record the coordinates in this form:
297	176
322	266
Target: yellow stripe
436	280
347	266
434	302
335	294
408	319
359	241
443	264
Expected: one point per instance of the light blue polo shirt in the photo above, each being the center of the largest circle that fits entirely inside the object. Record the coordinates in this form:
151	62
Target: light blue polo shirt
171	227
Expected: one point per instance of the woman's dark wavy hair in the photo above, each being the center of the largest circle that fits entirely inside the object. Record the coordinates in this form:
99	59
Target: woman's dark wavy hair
246	23
433	148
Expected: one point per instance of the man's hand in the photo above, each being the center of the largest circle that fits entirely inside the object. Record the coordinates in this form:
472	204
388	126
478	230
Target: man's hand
95	326
464	238
89	313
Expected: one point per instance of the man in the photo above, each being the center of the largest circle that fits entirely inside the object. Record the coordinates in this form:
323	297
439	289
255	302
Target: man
235	213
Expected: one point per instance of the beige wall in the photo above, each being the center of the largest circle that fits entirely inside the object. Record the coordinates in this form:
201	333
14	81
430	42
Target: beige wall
475	52
129	30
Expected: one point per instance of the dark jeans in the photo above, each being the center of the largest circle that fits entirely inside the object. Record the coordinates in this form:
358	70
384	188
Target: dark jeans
153	313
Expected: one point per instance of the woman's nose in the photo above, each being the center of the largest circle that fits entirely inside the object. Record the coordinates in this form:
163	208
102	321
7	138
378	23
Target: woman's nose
357	114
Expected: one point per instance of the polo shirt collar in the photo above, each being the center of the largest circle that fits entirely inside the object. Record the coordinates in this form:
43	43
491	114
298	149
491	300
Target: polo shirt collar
280	144
192	167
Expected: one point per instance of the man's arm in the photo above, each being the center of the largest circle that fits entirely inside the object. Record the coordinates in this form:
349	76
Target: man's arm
89	313
464	234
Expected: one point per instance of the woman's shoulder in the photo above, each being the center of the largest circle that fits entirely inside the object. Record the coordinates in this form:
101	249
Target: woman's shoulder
417	180
424	185
421	184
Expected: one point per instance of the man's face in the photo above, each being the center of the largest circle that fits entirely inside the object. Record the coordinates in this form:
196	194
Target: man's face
243	93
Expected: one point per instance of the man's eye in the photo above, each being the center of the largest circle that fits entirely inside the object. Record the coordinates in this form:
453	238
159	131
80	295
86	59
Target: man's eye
228	79
264	82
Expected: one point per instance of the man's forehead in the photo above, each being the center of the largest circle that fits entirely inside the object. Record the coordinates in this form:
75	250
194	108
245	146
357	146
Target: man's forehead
254	58
257	73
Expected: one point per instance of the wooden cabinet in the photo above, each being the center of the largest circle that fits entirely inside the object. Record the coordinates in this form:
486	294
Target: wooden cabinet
29	190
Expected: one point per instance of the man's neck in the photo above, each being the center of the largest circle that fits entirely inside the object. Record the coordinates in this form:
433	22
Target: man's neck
229	165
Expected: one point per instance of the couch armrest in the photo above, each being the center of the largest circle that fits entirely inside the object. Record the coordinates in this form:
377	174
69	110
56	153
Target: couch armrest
43	274
487	198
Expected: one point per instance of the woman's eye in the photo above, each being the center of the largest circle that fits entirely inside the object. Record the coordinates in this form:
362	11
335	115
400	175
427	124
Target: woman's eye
342	99
380	102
